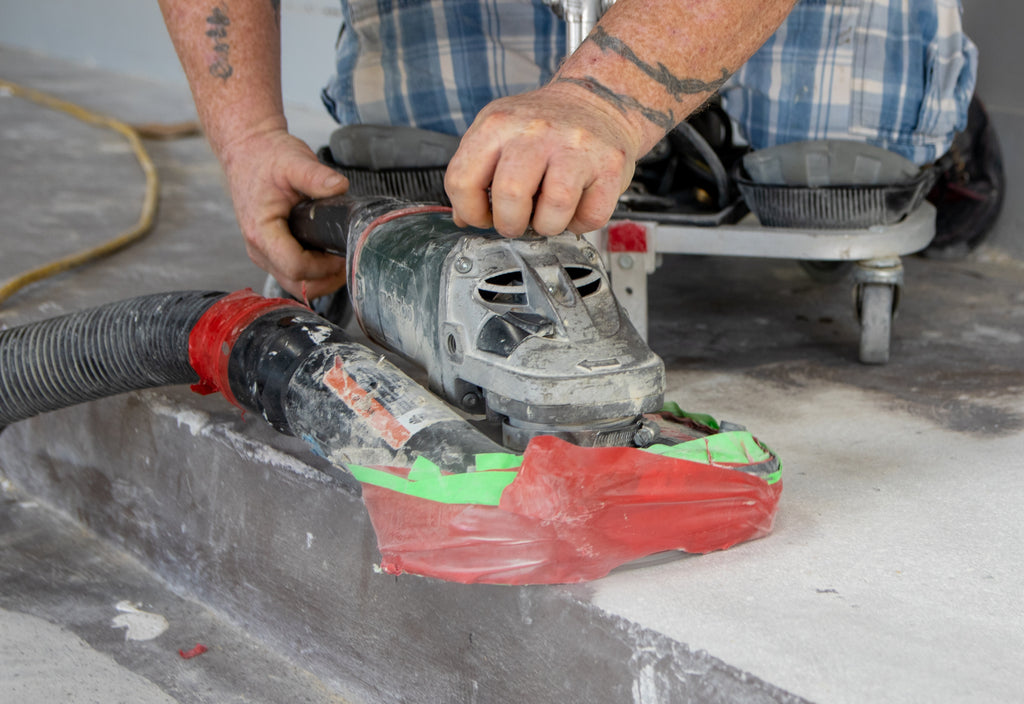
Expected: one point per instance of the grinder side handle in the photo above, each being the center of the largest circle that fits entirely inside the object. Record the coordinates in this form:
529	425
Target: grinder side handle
322	224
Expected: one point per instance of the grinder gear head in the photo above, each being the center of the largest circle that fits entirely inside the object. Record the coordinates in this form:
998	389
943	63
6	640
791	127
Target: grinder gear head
525	330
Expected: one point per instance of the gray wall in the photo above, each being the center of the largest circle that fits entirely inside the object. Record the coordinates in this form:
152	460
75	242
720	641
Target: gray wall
995	27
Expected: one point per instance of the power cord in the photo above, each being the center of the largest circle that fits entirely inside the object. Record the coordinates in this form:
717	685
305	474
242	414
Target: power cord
150	199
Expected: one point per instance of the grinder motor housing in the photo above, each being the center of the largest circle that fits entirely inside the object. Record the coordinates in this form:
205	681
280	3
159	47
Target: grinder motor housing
526	330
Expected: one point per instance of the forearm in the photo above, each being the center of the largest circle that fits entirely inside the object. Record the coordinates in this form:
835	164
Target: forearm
231	53
653	62
230	50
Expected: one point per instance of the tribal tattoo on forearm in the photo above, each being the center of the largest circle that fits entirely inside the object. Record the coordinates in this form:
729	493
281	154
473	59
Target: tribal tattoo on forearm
624	103
217	29
678	87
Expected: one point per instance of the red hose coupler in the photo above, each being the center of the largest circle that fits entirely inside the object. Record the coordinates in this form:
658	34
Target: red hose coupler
214	336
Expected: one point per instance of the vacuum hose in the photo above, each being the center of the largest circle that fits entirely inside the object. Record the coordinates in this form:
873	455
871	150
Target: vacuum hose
273	357
134	344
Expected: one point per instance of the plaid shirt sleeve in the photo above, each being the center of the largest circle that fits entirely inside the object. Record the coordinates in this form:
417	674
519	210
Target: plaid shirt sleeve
898	74
434	64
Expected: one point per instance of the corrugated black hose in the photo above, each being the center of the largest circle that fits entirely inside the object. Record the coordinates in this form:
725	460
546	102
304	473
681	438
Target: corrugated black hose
138	343
285	363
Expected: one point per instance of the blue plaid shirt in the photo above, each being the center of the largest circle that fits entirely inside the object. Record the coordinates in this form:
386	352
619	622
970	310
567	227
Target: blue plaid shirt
895	73
898	74
434	64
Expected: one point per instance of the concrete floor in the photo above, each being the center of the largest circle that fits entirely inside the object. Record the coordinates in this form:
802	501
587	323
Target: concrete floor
893	573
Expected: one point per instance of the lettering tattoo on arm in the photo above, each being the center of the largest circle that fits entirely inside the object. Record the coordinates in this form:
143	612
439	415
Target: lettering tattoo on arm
217	29
678	87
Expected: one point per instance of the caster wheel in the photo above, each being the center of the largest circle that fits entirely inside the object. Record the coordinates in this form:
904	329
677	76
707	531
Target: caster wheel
875	307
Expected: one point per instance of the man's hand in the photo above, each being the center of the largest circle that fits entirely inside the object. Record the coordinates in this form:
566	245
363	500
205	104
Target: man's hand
559	157
269	171
555	159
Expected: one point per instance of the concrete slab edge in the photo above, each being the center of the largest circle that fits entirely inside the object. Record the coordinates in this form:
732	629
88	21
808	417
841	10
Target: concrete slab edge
227	511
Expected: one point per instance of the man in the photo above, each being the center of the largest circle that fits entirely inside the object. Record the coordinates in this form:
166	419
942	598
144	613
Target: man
553	158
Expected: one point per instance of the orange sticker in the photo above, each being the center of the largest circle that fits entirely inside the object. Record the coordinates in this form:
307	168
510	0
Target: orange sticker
365	406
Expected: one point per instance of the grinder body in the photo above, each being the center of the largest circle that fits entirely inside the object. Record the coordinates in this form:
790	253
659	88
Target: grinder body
525	330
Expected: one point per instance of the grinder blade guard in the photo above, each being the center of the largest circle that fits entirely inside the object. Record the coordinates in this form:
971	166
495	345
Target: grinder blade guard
525	330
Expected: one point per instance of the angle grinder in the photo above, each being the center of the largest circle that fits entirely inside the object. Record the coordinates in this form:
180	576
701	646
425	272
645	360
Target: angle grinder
525	331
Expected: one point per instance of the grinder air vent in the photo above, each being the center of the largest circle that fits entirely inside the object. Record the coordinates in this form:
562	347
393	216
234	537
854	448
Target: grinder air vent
507	287
586	280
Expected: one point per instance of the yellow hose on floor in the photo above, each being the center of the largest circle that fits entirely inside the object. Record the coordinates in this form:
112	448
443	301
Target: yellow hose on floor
149	202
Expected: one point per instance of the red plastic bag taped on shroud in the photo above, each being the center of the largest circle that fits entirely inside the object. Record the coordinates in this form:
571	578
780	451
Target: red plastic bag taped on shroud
573	514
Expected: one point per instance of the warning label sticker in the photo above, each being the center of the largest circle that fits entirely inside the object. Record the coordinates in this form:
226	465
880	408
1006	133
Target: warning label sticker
394	415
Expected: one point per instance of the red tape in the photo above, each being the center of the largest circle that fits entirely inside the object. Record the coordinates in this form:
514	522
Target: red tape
198	650
627	237
213	337
573	514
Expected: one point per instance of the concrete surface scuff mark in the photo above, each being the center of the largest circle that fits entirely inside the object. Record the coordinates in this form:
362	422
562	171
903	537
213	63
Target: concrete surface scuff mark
258	453
201	424
138	624
981	333
645	687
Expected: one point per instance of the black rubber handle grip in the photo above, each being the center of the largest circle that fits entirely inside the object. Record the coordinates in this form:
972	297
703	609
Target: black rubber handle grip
322	224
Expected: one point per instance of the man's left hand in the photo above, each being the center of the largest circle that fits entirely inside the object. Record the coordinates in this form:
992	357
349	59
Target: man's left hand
554	159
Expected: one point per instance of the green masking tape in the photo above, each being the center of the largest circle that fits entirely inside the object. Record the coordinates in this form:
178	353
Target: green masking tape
701	418
495	471
426	481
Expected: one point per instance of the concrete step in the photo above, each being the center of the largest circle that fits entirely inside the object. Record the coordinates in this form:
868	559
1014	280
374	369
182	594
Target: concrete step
239	519
84	621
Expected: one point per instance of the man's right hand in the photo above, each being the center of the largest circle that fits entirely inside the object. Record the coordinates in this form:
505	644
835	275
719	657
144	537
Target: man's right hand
268	172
